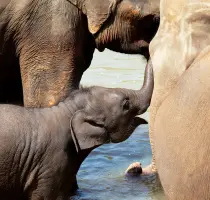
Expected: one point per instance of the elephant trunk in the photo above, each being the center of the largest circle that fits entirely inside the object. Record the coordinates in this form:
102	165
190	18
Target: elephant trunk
144	95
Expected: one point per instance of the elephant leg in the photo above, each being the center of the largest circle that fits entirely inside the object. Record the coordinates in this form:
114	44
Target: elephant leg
47	77
153	110
50	74
53	59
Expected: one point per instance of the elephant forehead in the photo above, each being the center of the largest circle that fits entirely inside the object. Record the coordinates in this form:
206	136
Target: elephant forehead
105	98
113	97
110	98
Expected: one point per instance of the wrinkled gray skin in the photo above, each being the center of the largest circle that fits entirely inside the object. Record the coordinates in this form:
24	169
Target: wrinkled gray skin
42	148
46	45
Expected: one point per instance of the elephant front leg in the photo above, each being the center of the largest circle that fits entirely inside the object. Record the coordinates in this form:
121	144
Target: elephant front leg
48	78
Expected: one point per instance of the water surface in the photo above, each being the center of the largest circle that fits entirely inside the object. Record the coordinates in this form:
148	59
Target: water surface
101	176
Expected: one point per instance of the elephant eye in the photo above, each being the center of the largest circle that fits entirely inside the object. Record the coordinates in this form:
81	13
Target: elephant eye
126	104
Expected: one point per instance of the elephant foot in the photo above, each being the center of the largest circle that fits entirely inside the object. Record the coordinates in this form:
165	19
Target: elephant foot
135	169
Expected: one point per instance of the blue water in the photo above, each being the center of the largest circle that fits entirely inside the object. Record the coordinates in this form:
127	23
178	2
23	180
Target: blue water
101	176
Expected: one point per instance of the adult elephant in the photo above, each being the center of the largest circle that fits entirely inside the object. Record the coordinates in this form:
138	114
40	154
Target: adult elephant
180	114
47	45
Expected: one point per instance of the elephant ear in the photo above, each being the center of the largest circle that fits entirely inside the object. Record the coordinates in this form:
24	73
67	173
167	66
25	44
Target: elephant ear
87	131
97	12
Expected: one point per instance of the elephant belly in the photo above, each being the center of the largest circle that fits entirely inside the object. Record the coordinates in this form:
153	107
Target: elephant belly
182	135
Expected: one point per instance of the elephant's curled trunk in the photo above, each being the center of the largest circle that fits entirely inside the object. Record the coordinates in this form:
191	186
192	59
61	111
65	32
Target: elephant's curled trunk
145	93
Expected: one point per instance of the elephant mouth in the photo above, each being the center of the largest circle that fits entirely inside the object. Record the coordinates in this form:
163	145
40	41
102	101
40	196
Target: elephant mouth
138	121
131	127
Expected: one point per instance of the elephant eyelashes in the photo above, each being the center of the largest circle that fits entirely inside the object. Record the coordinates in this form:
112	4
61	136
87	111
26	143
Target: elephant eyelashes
126	105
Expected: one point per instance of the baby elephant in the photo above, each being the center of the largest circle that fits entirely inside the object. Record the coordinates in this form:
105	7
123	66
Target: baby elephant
41	150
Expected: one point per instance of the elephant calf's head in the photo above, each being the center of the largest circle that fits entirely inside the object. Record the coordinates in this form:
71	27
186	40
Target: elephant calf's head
125	26
108	114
